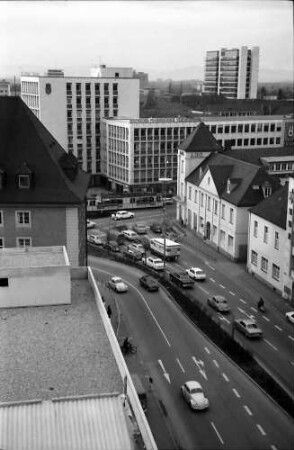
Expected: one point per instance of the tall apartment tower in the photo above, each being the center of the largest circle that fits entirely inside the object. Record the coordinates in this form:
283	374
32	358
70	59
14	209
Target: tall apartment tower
71	108
232	72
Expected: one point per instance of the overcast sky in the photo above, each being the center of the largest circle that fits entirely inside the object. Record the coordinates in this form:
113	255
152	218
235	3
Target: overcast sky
151	36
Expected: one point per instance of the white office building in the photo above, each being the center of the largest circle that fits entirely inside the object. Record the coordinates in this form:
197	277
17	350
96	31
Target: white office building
71	108
232	72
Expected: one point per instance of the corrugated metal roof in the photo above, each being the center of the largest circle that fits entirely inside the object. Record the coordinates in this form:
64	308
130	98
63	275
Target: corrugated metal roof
92	423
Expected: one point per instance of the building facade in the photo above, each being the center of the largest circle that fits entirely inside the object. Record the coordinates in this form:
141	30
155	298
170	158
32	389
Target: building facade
42	189
271	241
71	108
232	73
136	153
4	88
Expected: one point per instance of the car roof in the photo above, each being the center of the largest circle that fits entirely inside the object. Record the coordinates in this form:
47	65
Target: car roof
193	384
247	321
196	268
220	298
116	278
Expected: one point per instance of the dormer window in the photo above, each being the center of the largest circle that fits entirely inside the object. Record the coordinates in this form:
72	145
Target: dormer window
24	177
24	181
267	190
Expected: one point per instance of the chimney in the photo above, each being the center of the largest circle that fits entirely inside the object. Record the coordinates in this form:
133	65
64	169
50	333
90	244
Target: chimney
228	186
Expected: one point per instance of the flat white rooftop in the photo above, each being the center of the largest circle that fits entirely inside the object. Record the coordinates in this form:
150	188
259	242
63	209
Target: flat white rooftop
33	257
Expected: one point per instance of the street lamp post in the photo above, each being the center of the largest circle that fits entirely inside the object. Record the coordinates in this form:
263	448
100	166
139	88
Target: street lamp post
164	181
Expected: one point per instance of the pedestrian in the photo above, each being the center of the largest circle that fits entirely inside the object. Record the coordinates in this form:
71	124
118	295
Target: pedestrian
109	311
150	383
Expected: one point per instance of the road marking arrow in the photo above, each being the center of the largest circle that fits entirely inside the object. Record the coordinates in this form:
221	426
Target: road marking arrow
200	366
165	374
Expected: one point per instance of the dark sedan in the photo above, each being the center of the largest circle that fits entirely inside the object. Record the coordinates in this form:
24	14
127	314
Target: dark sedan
181	279
149	283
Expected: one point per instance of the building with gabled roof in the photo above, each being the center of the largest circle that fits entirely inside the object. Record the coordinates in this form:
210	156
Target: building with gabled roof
215	192
271	240
42	188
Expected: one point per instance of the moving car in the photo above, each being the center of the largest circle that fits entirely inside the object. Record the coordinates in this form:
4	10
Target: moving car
94	239
130	235
119	215
112	246
149	283
194	396
219	303
196	273
290	316
248	327
117	284
168	200
90	224
181	279
154	263
136	246
140	228
156	227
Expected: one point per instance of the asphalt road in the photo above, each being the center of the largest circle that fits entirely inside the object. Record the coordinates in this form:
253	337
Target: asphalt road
240	416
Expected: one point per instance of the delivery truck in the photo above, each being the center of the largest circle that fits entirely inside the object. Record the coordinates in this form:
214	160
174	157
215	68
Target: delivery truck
165	248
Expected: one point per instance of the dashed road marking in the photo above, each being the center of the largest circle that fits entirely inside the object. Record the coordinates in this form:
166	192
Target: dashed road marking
266	318
247	410
217	433
204	290
209	265
222	286
215	363
182	368
254	309
236	393
207	350
243	301
270	344
221	317
232	293
291	337
261	429
225	377
211	279
278	328
273	447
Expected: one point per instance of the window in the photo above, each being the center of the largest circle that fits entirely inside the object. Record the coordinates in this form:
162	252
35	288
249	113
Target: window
202	199
190	192
223	211
1	218
3	282
230	242
253	258
23	218
1	242
265	235
231	215
195	196
222	237
255	228
264	264
277	240
24	181
208	203
276	272
215	203
23	242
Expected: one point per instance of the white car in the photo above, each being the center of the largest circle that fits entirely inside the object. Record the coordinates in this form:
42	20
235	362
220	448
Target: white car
196	273
90	224
119	215
117	284
94	239
290	316
154	263
194	396
130	235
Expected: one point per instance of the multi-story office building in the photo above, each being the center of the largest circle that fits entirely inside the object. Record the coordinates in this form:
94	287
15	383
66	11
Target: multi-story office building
71	108
4	88
136	153
232	72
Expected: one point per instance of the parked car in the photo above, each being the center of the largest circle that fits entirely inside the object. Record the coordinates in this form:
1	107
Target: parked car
248	327
196	273
149	283
132	254
193	394
290	316
137	246
112	246
119	215
168	200
90	224
94	239
117	284
156	227
219	303
181	279
154	263
130	235
140	228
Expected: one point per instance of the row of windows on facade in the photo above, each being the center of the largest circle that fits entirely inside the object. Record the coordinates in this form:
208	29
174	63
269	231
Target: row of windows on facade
23	181
265	232
118	132
88	103
30	87
154	175
281	167
205	229
88	87
264	265
22	218
211	204
249	142
20	242
31	100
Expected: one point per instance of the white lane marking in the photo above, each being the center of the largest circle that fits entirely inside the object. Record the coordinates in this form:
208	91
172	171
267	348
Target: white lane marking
236	393
266	318
225	377
270	344
232	293
221	317
243	301
291	337
217	433
247	410
254	309
273	447
278	328
182	368
261	429
244	312
209	265
222	286
204	290
211	279
200	366
215	363
207	350
165	374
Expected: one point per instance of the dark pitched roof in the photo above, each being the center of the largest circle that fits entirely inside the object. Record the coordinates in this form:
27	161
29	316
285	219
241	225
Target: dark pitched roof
274	208
246	180
200	140
254	155
26	143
